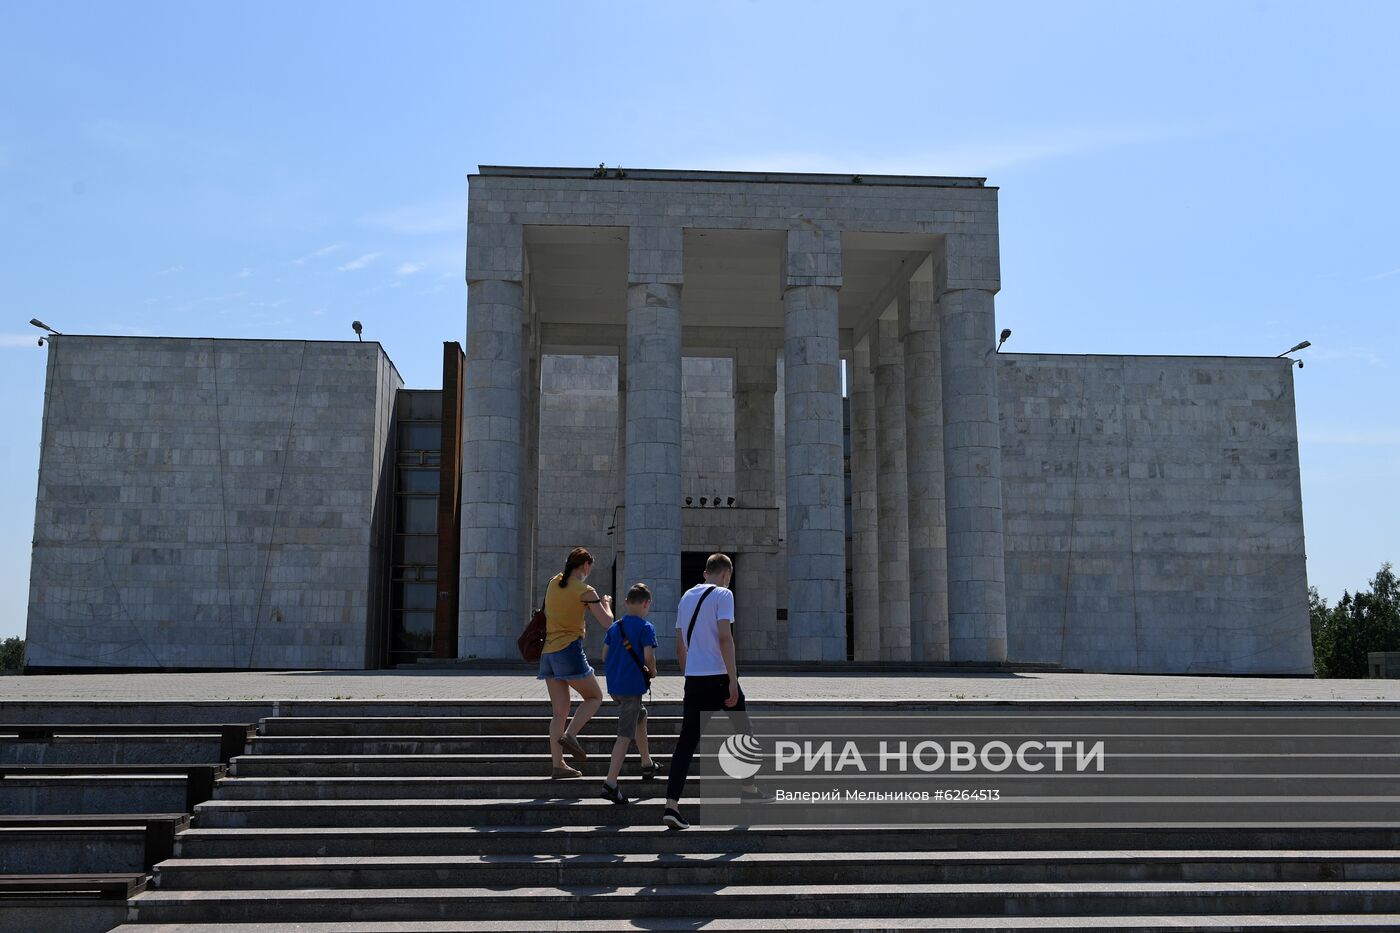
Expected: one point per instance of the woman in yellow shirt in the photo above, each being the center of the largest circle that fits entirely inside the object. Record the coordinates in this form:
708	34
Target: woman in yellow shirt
563	663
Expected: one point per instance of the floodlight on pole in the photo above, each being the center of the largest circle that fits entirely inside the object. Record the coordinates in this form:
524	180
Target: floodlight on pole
358	328
1005	336
42	326
1302	346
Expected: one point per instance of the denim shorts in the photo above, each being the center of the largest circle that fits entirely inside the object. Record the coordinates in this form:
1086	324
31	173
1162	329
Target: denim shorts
568	663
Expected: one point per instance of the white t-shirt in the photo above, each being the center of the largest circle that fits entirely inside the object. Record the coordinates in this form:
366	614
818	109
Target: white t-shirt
702	656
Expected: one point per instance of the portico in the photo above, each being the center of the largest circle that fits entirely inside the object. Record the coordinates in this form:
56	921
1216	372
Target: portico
785	281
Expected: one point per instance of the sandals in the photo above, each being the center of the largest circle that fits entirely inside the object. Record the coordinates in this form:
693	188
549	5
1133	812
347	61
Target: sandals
649	772
572	746
565	772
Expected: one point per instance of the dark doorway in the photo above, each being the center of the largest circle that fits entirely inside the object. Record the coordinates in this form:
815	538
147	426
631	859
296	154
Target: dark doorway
693	569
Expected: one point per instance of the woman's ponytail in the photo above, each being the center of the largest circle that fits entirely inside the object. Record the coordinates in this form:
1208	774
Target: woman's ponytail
577	558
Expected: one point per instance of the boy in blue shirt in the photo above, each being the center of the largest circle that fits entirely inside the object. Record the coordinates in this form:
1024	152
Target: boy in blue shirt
629	649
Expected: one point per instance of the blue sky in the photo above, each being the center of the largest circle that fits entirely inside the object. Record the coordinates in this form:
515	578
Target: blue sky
1175	178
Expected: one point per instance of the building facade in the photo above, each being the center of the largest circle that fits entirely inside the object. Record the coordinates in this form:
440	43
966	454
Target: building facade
799	370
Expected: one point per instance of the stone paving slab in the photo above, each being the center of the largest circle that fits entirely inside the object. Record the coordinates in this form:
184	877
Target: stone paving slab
459	685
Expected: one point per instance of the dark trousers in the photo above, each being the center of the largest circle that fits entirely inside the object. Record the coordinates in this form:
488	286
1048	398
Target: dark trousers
704	696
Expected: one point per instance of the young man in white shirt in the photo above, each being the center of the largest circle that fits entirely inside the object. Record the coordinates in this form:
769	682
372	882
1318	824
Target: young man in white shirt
705	652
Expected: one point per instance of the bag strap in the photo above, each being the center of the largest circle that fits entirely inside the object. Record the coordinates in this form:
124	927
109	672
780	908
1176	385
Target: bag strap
627	643
696	614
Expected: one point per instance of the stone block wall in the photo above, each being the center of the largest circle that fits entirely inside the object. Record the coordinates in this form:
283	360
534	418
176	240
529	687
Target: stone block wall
210	504
707	427
1153	514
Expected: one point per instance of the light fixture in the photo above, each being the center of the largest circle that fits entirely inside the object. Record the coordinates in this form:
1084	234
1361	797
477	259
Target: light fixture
1005	336
358	328
688	500
716	501
703	501
1302	346
730	503
42	326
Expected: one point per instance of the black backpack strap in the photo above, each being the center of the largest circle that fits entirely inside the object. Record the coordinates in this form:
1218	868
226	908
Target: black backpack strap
696	614
627	643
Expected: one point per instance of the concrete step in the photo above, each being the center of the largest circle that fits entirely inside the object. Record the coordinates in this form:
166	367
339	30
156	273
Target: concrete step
34	850
92	793
1019	785
1230	923
387	842
588	811
601	743
164	749
769	901
811	868
536	763
668	723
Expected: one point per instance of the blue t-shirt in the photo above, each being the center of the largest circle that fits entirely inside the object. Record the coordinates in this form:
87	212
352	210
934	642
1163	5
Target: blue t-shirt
624	676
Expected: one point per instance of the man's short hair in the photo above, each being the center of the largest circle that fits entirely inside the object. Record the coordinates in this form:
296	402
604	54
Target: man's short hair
639	593
718	562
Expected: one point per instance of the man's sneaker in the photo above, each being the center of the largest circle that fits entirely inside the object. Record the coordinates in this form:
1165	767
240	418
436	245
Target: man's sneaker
572	746
649	772
614	793
757	795
673	819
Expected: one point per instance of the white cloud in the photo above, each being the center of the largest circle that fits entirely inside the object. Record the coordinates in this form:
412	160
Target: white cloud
357	263
408	268
434	217
19	340
1381	275
318	254
170	270
244	273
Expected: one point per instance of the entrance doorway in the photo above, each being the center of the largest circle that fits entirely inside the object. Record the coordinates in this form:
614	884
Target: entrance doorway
693	569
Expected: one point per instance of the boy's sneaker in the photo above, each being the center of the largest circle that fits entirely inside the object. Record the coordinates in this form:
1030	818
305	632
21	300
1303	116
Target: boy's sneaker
649	772
673	819
614	793
757	795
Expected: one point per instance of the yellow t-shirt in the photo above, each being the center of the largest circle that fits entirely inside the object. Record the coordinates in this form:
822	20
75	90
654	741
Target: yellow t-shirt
564	611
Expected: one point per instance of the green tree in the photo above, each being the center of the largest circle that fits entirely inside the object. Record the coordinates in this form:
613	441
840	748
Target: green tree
1361	622
12	654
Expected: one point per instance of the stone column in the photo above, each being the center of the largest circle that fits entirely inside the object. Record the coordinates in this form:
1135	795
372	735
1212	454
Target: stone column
865	539
620	468
653	412
756	596
891	492
923	441
966	284
816	537
490	614
531	592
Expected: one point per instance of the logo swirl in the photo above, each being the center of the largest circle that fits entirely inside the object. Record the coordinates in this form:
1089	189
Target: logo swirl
741	756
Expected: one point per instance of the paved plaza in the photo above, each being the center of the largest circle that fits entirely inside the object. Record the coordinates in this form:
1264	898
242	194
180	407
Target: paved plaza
463	685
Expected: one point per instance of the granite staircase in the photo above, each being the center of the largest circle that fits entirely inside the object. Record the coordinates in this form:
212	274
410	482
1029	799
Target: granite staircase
409	823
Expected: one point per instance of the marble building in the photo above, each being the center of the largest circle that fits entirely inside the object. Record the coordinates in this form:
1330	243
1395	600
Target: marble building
799	370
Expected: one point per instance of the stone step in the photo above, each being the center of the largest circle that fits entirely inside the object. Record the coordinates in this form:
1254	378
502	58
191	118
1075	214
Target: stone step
809	868
92	793
769	901
1016	785
1230	923
668	723
536	763
587	811
392	841
36	850
164	749
599	743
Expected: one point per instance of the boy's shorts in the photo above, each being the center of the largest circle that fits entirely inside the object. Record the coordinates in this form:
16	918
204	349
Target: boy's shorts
630	711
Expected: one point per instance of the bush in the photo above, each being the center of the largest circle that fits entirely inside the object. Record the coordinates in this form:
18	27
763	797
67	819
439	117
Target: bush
1360	623
12	654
